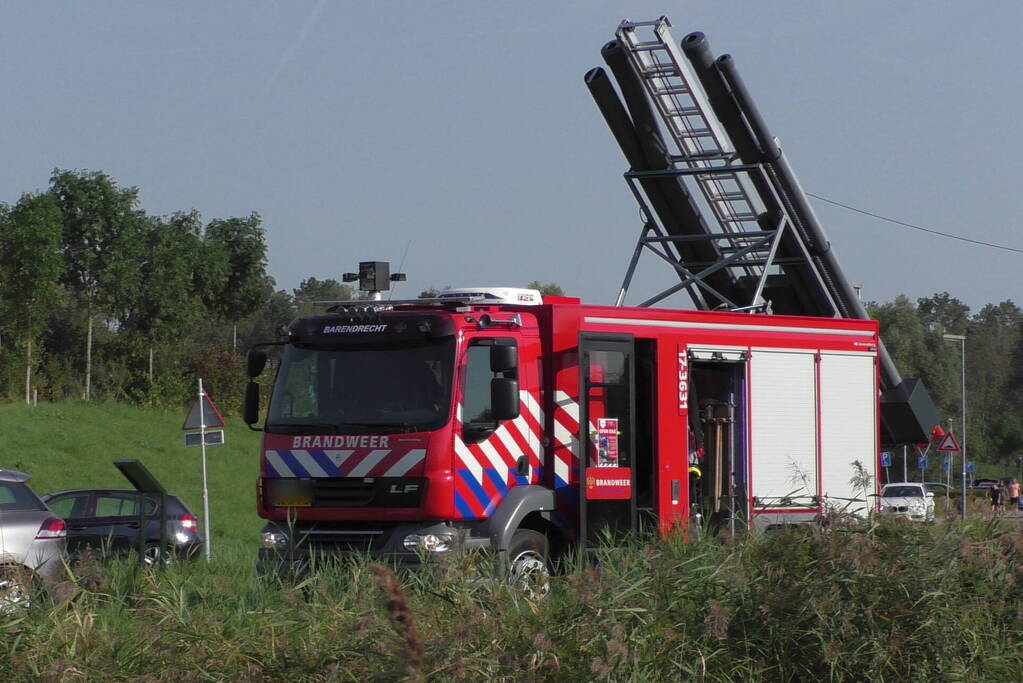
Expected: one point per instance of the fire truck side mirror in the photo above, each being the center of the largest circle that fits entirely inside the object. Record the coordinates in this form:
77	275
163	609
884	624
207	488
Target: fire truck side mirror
255	361
504	398
251	407
503	358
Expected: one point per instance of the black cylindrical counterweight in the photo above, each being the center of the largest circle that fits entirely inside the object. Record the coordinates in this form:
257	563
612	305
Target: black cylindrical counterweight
907	411
735	109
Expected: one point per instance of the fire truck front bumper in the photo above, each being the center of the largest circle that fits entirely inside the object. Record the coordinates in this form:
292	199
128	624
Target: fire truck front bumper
290	549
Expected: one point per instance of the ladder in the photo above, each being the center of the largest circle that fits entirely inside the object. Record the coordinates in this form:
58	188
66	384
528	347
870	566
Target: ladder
706	153
764	250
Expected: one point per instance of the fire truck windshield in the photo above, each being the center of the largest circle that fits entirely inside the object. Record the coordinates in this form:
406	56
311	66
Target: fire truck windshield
370	388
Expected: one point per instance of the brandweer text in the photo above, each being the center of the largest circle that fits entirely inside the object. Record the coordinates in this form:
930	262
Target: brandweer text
341	441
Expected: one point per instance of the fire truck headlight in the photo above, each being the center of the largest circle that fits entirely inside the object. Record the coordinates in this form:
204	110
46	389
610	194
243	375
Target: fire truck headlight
431	543
274	540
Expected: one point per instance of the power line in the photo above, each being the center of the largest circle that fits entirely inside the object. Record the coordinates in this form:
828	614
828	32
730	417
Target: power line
915	227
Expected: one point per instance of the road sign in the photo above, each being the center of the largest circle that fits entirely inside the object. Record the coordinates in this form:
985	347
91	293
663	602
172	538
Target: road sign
886	459
949	444
210	414
944	463
922	462
213	438
971	467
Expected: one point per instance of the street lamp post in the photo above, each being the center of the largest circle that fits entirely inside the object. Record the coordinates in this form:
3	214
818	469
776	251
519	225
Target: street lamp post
962	435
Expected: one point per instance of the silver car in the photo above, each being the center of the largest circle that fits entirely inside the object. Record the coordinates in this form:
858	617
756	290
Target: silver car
31	540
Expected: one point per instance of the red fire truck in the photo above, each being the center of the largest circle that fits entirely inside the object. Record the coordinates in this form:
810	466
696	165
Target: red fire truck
496	418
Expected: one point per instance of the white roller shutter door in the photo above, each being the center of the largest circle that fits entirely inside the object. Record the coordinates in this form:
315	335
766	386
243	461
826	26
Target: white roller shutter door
848	427
783	427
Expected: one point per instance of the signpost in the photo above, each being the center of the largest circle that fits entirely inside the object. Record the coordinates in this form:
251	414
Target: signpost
199	411
214	437
949	445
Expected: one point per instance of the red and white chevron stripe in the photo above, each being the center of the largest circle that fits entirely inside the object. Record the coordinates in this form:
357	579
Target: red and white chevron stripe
566	426
502	449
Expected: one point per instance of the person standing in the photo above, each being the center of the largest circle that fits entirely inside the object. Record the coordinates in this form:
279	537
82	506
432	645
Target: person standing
1013	494
996	497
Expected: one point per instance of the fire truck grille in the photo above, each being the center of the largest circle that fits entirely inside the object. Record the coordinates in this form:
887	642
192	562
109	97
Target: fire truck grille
331	493
334	542
349	492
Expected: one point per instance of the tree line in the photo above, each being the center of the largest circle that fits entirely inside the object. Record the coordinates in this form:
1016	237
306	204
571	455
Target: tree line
99	299
914	334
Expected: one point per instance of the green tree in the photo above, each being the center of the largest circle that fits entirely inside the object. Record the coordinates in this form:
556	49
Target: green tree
312	290
992	336
169	299
903	334
237	283
943	312
30	268
267	324
549	289
102	240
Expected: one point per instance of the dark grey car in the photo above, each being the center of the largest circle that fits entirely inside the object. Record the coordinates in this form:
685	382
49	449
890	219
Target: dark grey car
32	540
106	521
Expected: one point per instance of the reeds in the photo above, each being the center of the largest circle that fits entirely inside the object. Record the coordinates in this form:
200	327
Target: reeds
891	601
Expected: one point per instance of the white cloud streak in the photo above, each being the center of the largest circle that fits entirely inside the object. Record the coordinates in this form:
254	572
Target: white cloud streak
314	13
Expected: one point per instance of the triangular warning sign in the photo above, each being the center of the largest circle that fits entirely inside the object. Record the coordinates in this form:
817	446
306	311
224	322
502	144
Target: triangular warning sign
949	444
210	414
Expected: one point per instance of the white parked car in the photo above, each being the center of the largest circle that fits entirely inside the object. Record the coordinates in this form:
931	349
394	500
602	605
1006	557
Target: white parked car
906	499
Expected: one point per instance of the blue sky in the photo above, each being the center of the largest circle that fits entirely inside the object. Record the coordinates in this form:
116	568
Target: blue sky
462	132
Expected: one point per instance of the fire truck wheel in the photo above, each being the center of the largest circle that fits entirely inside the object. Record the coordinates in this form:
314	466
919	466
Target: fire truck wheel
529	570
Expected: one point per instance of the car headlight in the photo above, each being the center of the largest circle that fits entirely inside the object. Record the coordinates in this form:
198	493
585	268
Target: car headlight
431	543
274	540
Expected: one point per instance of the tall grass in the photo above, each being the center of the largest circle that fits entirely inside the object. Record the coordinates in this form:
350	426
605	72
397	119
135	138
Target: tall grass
891	601
886	602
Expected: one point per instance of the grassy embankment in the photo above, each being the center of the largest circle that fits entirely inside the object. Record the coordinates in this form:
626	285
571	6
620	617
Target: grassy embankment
73	445
875	602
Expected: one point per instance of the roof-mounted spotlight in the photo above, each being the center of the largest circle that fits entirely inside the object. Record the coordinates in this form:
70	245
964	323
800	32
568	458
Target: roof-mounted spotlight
374	277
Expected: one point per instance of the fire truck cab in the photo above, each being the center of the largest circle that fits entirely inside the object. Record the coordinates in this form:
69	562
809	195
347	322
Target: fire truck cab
501	420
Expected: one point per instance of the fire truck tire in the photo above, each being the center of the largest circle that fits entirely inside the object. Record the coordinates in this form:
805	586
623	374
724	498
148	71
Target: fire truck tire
529	563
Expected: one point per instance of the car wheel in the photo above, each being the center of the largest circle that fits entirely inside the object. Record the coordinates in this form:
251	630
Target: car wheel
528	563
153	553
15	589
